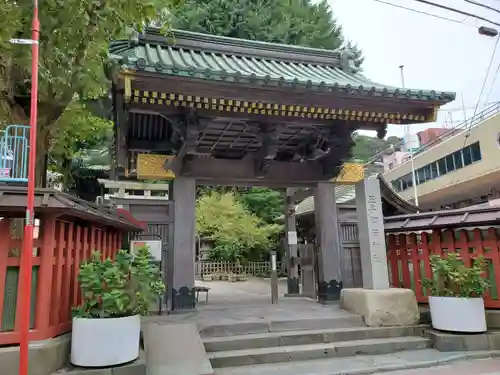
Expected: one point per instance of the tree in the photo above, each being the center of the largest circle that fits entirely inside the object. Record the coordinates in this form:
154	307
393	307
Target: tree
297	22
236	233
73	52
266	204
78	136
366	147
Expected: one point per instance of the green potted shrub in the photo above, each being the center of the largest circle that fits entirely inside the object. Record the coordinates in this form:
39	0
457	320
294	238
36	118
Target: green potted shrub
456	294
107	325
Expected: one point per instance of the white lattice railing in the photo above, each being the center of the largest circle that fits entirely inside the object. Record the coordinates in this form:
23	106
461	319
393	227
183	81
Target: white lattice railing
249	268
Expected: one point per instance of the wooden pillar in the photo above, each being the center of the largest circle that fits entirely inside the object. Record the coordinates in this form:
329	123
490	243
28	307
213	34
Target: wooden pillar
121	124
182	258
330	257
44	287
291	245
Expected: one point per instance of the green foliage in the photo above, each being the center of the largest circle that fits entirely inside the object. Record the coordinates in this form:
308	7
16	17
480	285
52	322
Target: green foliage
267	204
297	22
453	279
76	133
116	288
365	147
236	233
74	40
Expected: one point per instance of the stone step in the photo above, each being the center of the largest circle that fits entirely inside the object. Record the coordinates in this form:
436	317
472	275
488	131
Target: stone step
249	357
305	337
263	326
357	365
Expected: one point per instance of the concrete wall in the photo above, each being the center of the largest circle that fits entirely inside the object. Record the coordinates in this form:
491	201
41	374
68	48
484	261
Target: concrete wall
45	357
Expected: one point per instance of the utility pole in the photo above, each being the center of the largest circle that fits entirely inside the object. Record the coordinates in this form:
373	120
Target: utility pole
410	149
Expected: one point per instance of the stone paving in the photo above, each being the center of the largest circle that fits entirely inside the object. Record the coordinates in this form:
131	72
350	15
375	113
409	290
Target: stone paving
250	301
475	367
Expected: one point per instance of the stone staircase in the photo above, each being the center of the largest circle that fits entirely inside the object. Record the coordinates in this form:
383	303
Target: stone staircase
319	347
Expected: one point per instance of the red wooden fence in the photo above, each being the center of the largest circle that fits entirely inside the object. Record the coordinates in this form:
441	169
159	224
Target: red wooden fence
58	250
409	257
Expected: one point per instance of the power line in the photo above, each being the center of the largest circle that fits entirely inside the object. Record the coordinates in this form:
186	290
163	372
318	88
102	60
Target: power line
486	76
424	13
482	5
455	10
493	83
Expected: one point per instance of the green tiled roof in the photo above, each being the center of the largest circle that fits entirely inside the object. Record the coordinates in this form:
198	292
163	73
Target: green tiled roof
201	56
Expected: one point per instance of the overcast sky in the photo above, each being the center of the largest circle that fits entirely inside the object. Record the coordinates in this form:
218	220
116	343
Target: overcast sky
436	54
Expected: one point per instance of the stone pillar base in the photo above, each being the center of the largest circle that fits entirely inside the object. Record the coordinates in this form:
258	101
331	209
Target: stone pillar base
383	307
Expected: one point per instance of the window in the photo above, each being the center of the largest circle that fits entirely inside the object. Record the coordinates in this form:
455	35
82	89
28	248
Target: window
450	166
434	170
457	156
475	151
420	176
442	166
447	164
427	172
466	152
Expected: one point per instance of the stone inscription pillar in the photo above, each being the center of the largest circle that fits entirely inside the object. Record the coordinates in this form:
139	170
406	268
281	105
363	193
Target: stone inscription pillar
376	302
182	255
371	234
291	246
329	243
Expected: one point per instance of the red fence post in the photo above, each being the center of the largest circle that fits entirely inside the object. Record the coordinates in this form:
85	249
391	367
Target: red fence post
78	250
404	261
392	256
4	255
44	288
65	309
57	280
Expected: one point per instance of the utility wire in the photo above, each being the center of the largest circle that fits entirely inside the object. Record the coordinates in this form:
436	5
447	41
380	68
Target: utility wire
482	5
424	13
487	74
455	10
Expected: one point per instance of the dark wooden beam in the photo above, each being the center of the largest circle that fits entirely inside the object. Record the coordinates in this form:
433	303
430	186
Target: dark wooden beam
216	170
191	135
268	149
294	96
120	130
305	121
155	146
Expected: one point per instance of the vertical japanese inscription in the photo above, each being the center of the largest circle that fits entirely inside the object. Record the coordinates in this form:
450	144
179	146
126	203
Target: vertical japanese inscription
375	228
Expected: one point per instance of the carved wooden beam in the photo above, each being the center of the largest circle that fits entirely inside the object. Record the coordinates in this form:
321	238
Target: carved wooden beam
268	150
188	136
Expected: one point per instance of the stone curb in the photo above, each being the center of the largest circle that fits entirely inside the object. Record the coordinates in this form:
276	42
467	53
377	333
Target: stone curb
423	364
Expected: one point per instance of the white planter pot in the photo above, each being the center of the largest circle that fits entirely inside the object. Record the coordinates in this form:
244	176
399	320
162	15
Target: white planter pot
105	342
458	314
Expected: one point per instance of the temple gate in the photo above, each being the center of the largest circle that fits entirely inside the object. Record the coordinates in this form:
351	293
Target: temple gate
201	109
